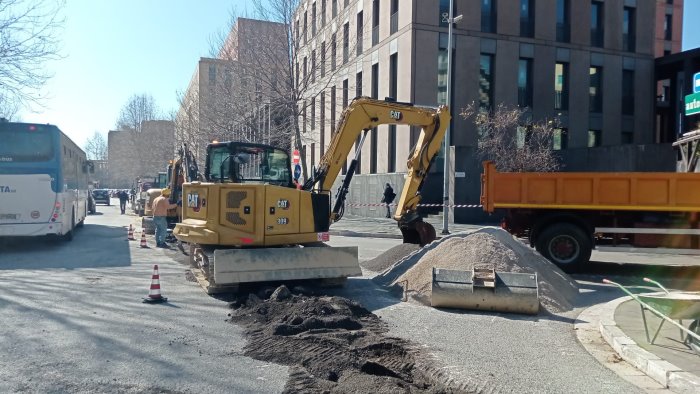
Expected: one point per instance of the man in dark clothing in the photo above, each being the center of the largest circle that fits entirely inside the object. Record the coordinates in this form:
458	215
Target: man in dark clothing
388	198
123	198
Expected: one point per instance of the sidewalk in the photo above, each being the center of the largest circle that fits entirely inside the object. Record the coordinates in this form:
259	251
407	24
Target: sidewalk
359	226
668	362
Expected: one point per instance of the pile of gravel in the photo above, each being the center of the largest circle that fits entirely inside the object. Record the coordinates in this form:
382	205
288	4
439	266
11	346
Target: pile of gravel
390	257
486	246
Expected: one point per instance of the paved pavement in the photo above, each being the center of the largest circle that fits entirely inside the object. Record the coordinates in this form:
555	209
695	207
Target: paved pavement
667	362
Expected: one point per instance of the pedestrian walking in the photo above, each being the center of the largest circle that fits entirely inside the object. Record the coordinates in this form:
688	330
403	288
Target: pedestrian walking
161	204
388	198
123	198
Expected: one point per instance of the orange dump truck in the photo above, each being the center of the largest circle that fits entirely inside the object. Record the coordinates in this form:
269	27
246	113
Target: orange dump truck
566	214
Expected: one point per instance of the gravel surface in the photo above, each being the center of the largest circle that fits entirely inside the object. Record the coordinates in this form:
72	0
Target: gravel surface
491	247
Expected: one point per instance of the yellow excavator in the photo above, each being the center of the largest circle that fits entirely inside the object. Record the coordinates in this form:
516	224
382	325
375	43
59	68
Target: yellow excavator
247	222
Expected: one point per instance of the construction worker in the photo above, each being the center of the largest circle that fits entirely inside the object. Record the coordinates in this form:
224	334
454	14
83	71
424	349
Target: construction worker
161	204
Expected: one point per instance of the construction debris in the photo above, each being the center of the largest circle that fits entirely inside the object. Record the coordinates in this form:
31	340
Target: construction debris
332	344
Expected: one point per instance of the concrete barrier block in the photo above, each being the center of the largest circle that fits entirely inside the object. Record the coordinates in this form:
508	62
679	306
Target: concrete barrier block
660	370
636	356
683	382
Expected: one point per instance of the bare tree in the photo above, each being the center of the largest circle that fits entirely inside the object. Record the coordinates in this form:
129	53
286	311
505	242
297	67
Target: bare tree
28	39
512	141
139	108
96	147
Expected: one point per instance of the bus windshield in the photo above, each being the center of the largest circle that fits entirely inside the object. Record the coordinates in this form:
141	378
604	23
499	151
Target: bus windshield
25	143
243	163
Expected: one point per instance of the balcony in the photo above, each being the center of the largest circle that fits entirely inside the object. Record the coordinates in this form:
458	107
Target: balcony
394	23
375	35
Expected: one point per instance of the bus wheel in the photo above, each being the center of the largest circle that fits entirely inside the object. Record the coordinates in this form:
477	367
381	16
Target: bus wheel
565	245
69	235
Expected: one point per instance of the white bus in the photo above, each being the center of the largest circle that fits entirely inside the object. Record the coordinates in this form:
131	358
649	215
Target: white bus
43	181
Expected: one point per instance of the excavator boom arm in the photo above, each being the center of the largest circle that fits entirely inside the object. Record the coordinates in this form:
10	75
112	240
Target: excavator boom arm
366	113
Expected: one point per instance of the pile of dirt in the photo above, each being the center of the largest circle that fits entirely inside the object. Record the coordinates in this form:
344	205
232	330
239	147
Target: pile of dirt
493	247
388	258
331	344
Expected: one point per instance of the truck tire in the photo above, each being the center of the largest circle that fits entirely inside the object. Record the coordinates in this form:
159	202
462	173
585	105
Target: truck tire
565	245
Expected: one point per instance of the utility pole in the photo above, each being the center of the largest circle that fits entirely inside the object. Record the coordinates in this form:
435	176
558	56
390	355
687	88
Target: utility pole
446	168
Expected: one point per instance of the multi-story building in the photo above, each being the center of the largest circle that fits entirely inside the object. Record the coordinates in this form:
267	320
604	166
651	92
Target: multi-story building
587	63
229	96
668	32
139	154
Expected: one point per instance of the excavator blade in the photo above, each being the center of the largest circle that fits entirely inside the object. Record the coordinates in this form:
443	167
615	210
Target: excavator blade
236	266
418	232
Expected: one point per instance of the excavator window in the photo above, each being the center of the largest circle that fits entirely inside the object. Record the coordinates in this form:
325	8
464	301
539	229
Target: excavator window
248	163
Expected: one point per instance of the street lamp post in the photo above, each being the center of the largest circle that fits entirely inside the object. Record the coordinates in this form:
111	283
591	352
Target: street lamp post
446	167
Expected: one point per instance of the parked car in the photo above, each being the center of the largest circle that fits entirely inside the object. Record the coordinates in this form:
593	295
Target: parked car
101	196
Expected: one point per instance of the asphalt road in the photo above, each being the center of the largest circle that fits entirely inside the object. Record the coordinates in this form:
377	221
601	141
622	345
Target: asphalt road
73	321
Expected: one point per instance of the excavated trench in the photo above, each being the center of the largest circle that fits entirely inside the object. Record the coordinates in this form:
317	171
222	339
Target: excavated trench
332	344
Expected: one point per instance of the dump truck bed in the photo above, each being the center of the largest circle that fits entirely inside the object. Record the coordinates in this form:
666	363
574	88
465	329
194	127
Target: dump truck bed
630	191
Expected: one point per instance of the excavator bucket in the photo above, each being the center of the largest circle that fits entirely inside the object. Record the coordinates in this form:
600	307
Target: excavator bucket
418	232
231	267
485	289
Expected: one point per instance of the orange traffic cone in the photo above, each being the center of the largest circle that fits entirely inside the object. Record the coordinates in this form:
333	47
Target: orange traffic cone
154	295
130	234
143	239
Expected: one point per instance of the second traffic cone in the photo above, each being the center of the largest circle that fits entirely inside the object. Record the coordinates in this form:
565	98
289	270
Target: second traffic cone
154	295
130	234
143	240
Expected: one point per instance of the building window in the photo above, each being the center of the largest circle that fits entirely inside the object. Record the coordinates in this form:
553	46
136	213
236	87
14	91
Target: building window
334	8
486	82
563	20
313	154
323	13
442	72
306	35
375	22
313	19
358	85
303	117
668	27
594	139
525	83
306	70
360	29
322	121
212	74
346	42
628	30
561	86
313	113
627	137
393	92
527	18
323	59
373	132
333	52
597	24
523	134
346	3
345	93
313	66
394	19
560	139
296	29
627	92
296	75
333	109
488	16
595	89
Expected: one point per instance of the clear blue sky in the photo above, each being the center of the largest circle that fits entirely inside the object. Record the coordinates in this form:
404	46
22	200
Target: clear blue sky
114	49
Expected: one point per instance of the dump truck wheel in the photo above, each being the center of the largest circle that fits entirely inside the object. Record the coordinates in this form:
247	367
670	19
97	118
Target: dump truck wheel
565	245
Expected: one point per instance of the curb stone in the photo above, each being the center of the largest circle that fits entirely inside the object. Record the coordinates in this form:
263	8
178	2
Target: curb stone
665	373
